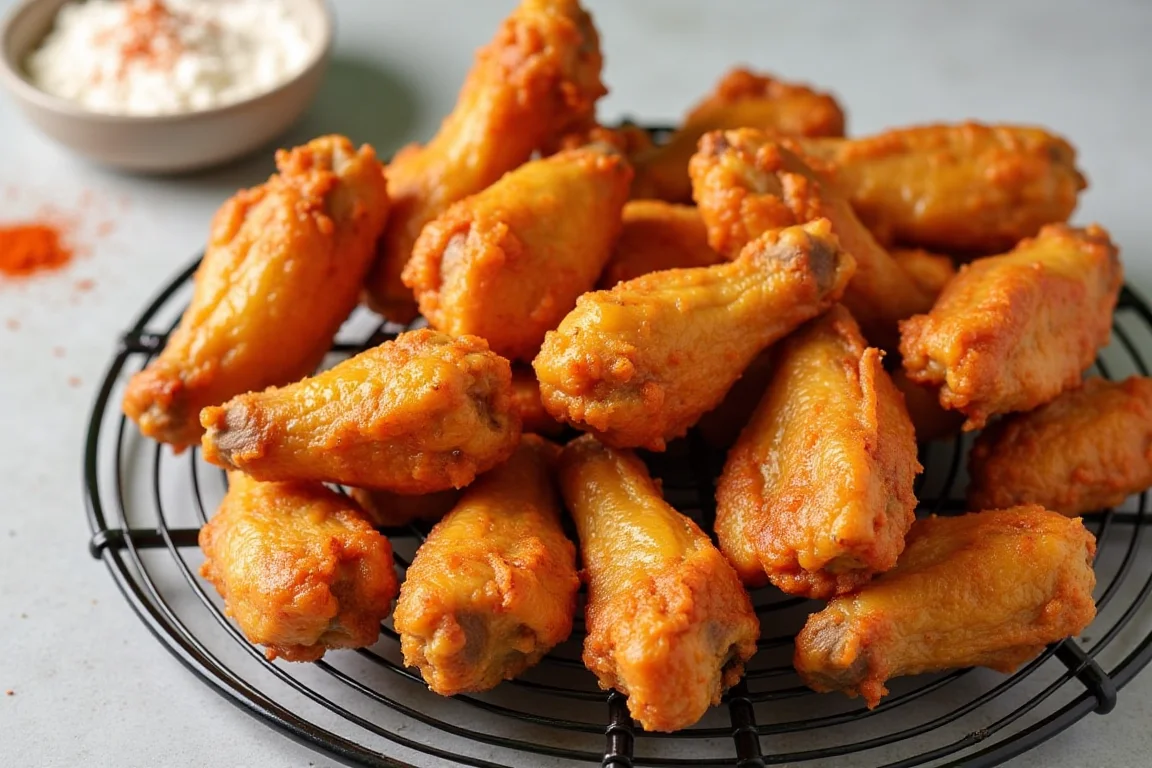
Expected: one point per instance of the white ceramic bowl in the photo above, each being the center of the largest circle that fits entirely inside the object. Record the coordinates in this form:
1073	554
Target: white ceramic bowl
164	143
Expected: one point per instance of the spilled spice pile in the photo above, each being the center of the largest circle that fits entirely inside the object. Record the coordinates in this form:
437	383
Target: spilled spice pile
32	247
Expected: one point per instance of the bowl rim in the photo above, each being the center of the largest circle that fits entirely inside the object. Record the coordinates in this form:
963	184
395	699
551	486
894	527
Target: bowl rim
24	90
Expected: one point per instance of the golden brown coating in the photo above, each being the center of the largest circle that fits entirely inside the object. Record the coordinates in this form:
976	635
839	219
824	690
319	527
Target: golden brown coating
668	622
742	99
654	236
931	420
816	495
527	403
745	182
420	414
639	364
931	271
963	187
282	271
507	264
493	587
986	589
1011	332
1087	450
539	77
299	567
388	509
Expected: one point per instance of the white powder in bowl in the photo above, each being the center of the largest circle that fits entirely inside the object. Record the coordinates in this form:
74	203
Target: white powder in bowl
153	57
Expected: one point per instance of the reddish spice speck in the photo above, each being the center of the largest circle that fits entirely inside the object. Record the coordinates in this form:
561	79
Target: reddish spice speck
85	285
105	228
58	351
32	247
149	35
12	324
74	381
9	692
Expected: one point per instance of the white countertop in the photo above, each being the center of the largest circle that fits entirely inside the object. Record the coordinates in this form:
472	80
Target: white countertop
90	686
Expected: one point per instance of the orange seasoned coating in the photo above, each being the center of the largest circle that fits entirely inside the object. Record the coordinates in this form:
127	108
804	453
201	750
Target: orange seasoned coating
527	403
257	317
931	420
299	567
746	182
930	271
387	509
639	364
493	587
965	187
1011	332
816	495
537	79
507	263
742	99
1087	450
420	414
986	589
668	622
654	236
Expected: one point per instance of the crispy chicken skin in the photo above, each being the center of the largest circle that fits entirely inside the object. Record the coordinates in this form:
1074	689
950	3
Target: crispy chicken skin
493	588
1011	332
639	364
931	420
538	78
668	622
282	271
745	182
816	495
299	567
420	414
965	187
527	403
930	271
741	99
387	509
1087	450
507	263
655	236
987	589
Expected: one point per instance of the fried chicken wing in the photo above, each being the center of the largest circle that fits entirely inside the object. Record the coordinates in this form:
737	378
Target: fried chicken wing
1087	450
1011	332
668	622
742	99
816	495
987	589
538	78
508	263
930	271
931	420
493	587
655	236
526	402
282	271
387	509
745	182
639	364
299	567
966	187
420	414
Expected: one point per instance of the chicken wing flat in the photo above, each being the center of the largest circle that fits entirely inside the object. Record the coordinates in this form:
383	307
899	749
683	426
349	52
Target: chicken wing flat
1011	332
745	183
493	587
282	271
931	271
668	622
508	263
420	414
986	589
639	364
387	509
965	187
527	403
299	567
655	236
742	99
816	495
539	77
931	420
1087	450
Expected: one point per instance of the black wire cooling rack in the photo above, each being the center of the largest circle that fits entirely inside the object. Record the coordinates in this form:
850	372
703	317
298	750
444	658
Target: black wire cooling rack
146	504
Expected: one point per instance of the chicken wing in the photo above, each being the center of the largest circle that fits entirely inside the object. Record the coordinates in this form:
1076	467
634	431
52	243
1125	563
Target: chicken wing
655	236
493	587
1087	450
965	187
299	567
930	271
420	414
387	509
745	183
1011	332
987	589
527	403
668	622
539	77
282	271
508	263
639	364
816	495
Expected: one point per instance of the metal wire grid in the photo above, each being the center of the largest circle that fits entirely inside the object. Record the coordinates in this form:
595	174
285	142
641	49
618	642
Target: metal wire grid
360	706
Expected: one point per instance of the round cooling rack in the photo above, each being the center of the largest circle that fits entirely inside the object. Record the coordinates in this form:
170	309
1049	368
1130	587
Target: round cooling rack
146	505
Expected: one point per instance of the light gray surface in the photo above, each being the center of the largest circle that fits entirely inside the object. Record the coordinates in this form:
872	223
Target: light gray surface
91	687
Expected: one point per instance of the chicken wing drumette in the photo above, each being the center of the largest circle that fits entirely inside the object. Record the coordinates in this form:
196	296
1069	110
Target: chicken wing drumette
655	236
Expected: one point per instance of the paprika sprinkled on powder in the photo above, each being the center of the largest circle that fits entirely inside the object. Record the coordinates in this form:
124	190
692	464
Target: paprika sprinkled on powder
32	247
